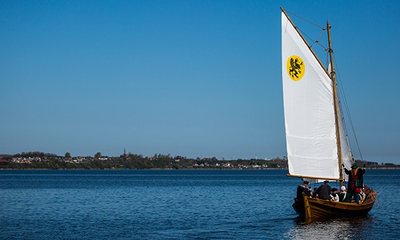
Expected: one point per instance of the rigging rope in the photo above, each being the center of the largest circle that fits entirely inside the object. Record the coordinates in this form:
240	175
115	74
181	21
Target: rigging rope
305	19
341	90
311	40
304	34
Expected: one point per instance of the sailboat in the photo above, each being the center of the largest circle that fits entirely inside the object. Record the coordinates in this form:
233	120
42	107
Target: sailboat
317	144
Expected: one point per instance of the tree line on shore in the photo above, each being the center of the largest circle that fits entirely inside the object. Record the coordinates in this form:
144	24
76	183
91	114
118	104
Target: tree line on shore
40	160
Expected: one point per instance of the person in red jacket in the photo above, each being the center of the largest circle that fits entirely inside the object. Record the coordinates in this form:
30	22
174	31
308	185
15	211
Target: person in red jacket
356	181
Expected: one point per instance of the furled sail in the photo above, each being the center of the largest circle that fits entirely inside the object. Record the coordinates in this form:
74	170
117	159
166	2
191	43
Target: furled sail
309	110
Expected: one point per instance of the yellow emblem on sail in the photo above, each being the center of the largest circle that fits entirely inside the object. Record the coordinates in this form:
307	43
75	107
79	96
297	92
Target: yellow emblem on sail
295	67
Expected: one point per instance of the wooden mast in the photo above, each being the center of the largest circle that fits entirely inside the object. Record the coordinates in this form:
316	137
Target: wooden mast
333	77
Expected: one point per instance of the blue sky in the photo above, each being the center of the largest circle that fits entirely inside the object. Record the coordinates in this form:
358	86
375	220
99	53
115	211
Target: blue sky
189	78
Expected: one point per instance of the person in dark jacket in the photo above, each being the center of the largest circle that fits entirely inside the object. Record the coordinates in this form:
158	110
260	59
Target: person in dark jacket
356	180
314	195
303	188
324	191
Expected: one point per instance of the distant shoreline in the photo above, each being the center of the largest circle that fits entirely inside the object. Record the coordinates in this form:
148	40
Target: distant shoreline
48	161
122	169
180	169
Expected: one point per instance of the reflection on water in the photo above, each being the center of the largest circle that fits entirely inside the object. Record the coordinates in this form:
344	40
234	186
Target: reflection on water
355	228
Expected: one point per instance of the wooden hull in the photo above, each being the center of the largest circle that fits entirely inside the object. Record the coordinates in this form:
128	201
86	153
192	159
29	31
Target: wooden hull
314	209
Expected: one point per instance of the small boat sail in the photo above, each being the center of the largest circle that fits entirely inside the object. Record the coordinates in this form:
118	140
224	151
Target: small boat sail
317	144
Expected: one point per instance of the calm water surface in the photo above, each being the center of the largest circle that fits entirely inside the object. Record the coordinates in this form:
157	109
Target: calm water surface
178	204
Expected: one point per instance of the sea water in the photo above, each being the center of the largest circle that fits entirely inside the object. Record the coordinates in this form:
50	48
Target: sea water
178	204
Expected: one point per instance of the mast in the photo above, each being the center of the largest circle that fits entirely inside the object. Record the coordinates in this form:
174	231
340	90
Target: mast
333	77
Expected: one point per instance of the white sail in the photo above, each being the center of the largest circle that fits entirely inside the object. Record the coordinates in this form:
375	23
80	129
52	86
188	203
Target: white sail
309	110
